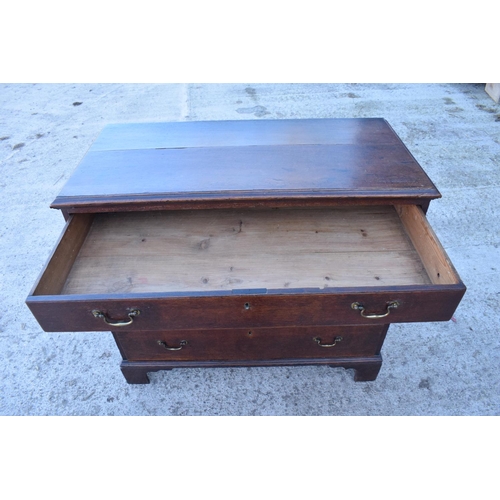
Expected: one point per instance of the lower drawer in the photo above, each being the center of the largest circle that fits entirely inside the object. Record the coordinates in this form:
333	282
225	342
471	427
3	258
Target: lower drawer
252	344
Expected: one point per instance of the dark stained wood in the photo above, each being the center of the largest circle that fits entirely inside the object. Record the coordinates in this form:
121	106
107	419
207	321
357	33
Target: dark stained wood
150	203
251	343
296	163
289	307
247	172
365	369
168	135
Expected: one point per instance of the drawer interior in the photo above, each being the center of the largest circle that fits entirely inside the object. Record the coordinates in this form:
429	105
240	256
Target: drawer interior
206	250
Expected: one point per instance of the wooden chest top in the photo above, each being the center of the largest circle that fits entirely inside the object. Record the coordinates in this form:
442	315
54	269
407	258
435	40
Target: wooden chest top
260	163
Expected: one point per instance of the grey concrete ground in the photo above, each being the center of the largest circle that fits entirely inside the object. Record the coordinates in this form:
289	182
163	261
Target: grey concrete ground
448	368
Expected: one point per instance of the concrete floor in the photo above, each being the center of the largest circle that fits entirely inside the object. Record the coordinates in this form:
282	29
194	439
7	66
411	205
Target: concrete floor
429	368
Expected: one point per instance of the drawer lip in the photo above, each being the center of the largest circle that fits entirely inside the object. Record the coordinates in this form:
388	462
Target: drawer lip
241	199
456	287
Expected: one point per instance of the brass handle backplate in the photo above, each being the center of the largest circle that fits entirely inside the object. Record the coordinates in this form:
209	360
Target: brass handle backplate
335	341
393	304
182	343
132	314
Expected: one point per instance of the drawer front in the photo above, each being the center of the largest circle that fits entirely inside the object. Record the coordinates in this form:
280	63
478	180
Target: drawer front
251	344
252	311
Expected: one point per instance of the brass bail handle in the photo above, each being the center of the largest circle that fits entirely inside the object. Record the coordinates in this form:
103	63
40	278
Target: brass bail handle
163	344
132	314
393	304
335	340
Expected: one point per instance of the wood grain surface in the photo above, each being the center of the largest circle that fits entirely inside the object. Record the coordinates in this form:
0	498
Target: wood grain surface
227	250
252	343
434	258
197	134
246	309
175	165
59	265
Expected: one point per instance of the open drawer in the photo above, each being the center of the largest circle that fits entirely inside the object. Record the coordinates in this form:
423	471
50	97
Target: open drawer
167	270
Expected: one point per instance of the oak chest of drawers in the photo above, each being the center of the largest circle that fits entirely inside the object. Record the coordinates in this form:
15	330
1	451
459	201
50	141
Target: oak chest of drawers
246	243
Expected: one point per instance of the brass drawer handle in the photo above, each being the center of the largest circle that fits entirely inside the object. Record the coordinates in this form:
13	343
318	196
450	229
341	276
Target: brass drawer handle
393	304
182	343
132	314
335	340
